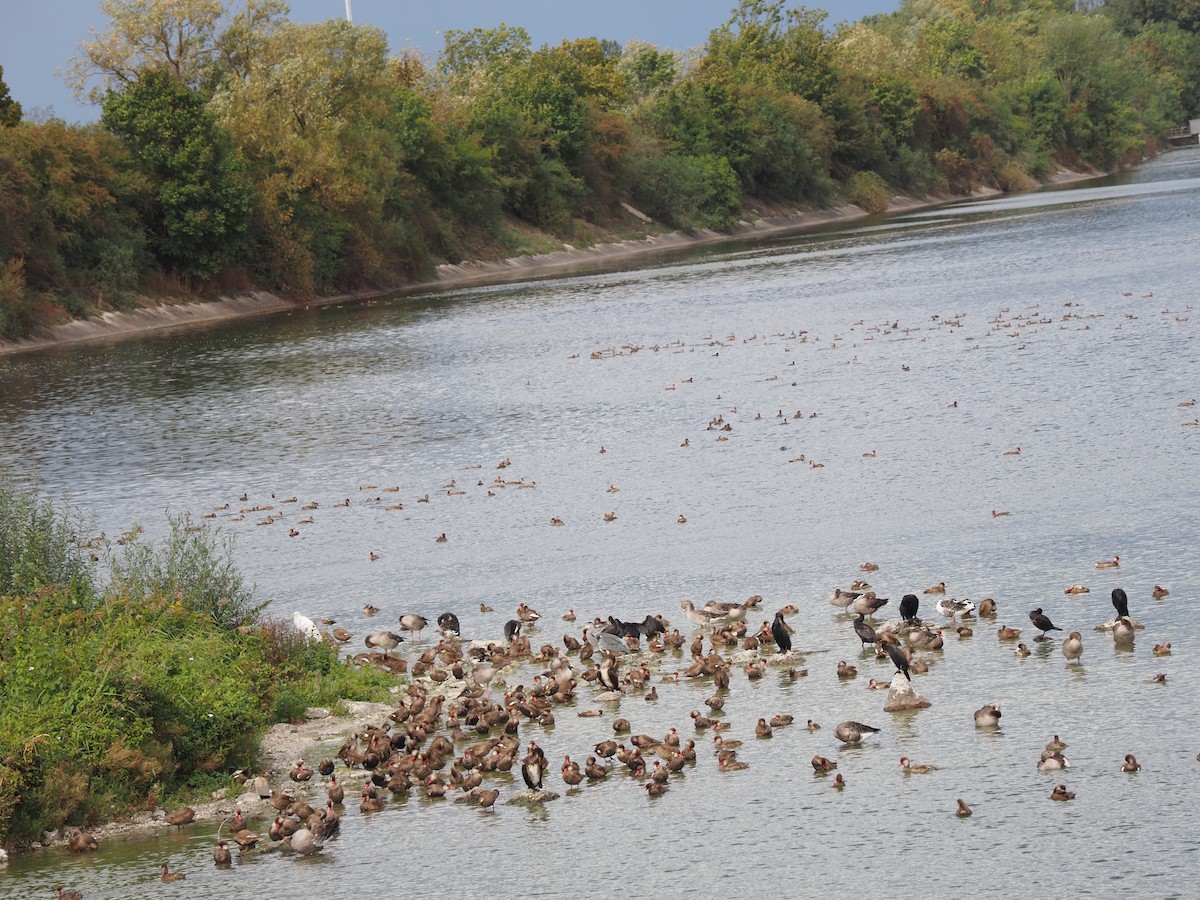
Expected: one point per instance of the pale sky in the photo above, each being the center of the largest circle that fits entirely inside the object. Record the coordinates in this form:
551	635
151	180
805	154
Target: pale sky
38	38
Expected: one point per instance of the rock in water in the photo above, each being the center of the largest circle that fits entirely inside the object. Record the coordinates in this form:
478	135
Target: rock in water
530	798
902	695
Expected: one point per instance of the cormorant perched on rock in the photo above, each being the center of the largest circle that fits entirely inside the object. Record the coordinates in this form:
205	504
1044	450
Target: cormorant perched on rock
899	658
512	629
865	632
908	607
1042	622
448	622
610	675
779	631
533	767
1120	602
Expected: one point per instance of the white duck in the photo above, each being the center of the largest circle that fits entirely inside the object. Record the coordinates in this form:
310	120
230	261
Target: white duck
306	626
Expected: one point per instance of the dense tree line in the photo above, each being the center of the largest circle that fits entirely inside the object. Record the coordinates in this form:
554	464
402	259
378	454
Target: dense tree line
237	148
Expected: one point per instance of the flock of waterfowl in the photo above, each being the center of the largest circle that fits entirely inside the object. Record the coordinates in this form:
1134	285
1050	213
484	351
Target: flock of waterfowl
469	716
474	709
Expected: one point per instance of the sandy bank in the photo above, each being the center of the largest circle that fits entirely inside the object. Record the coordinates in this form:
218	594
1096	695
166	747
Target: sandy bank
569	261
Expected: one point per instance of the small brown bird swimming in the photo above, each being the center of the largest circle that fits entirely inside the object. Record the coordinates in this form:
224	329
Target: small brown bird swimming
845	670
63	894
963	810
1060	792
655	789
821	764
1162	649
838	781
987	608
915	769
1131	764
987	716
171	876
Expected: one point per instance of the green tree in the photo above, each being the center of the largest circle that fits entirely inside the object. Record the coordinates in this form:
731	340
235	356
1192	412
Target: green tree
10	109
200	216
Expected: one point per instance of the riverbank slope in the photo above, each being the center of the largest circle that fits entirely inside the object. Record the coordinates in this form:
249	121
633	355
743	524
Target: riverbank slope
172	313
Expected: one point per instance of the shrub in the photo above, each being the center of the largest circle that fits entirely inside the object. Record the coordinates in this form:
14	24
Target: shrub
868	190
124	694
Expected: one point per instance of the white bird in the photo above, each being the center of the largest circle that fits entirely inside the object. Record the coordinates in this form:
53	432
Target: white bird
950	607
306	626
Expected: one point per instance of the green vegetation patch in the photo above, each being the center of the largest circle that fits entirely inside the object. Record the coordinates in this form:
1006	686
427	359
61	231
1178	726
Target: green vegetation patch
116	693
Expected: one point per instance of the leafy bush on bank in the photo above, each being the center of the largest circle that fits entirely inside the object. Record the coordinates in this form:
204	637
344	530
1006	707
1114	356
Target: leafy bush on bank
118	694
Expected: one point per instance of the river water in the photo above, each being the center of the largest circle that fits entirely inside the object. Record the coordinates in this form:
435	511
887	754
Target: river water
1059	322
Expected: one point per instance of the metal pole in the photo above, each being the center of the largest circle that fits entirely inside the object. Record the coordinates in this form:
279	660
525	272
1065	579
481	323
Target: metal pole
349	17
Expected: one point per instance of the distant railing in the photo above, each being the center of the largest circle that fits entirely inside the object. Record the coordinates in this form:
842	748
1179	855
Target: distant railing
1181	132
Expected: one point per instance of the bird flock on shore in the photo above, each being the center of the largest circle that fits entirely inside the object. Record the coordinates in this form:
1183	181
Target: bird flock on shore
462	728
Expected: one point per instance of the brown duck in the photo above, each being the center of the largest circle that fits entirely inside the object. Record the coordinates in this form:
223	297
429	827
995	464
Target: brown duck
171	876
180	818
82	842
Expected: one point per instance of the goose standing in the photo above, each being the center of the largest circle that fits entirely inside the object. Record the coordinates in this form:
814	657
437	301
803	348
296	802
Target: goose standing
386	640
413	623
1072	647
868	604
843	598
